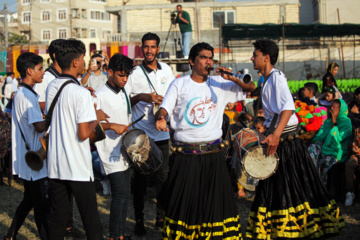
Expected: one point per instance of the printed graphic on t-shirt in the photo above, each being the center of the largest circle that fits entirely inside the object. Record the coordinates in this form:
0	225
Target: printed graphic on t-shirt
163	80
198	111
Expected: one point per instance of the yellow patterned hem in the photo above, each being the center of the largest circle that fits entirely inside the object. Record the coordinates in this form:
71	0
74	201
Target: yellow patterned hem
295	222
176	229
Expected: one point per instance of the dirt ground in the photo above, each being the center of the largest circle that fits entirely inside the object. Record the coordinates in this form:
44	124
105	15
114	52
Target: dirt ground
11	197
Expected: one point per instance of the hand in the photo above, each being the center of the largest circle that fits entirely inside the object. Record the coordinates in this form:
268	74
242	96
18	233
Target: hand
92	91
223	75
120	129
153	98
100	115
272	142
180	14
161	124
355	109
334	113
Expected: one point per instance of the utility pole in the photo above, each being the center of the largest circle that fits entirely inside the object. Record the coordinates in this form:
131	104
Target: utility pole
5	25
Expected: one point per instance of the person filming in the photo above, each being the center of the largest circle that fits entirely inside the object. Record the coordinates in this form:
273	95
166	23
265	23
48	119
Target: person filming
183	19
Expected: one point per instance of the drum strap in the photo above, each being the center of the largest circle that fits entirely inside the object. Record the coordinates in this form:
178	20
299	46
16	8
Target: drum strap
148	79
53	103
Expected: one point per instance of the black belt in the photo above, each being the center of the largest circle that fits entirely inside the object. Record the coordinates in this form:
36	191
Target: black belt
199	149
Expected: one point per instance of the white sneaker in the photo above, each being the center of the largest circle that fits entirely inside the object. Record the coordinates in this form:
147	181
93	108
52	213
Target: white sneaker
106	186
349	198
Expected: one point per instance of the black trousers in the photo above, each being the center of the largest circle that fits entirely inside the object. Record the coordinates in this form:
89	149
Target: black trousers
35	196
60	193
140	182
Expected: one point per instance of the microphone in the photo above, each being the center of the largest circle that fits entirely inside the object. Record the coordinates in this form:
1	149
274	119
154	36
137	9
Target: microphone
245	78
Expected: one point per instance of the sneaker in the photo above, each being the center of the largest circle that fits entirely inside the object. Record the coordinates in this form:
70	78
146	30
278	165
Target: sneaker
349	198
140	228
106	186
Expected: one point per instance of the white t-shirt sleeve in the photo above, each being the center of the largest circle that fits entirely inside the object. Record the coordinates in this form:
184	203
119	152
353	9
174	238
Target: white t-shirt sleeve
33	112
234	92
85	108
283	97
170	98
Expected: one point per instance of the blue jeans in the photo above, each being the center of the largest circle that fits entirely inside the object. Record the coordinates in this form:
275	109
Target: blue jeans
186	37
120	195
96	162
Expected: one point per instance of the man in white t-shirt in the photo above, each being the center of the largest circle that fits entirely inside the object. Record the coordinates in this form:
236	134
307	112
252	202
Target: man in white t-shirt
113	98
69	158
199	189
147	85
27	126
50	74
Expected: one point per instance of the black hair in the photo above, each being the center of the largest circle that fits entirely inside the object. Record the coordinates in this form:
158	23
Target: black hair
300	93
357	91
256	103
69	50
179	6
54	47
197	48
267	46
119	62
312	87
150	36
259	120
9	73
27	60
256	92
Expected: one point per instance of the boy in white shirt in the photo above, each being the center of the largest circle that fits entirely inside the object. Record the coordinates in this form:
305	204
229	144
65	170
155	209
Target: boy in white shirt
69	158
27	126
113	98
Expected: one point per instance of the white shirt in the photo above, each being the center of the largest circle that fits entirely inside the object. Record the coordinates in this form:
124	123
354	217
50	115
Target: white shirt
69	158
25	112
196	109
40	88
138	83
276	97
96	81
113	102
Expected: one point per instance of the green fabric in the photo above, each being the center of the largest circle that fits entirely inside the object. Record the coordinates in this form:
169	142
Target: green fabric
335	139
183	26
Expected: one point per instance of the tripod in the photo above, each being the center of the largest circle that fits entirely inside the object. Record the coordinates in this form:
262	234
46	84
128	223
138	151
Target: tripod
175	36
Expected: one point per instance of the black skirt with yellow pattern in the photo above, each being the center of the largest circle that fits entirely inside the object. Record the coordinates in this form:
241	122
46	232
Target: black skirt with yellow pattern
293	203
200	200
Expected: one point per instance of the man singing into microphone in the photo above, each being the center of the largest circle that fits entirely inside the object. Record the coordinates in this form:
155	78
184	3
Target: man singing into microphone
199	196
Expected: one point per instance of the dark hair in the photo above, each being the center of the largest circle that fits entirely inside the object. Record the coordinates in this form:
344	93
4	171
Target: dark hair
357	91
27	60
312	87
331	67
198	48
150	36
69	50
256	92
9	73
267	46
337	101
54	47
179	6
119	62
300	93
259	120
256	103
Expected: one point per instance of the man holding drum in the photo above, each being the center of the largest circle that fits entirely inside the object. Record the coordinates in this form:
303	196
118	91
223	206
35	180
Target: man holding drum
69	158
292	203
147	85
113	98
200	196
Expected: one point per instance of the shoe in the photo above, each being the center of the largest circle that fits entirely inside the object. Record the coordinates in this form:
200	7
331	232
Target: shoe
349	198
159	223
139	227
106	187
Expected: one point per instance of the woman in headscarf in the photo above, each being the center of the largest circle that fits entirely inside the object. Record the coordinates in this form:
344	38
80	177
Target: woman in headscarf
330	145
329	77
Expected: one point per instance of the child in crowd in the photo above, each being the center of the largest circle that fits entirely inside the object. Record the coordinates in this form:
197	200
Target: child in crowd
310	90
259	124
330	95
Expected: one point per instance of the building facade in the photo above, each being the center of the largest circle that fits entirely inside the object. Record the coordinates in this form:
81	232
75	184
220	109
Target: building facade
45	20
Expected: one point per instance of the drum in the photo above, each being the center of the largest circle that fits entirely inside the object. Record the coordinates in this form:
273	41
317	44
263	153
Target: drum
255	162
142	151
98	134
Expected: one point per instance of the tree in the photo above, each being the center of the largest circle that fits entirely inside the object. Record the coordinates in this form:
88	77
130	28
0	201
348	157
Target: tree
16	39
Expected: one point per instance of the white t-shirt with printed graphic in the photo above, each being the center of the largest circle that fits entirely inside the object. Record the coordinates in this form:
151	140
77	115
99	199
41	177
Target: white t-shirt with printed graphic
196	109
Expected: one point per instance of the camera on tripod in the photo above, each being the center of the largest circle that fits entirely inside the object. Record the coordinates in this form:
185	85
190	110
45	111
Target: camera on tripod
173	17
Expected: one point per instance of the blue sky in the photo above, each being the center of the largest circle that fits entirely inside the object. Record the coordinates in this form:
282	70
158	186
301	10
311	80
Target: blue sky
11	5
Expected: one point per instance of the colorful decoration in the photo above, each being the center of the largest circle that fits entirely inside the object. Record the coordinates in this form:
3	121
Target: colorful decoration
310	117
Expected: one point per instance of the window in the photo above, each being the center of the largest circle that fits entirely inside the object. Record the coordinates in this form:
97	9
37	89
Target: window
100	1
98	15
62	33
25	2
26	17
45	1
223	17
45	34
45	16
105	34
61	14
93	33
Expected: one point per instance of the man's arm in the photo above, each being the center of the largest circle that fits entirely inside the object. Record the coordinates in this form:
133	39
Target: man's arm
149	98
183	19
86	128
249	87
42	105
160	117
39	126
118	128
